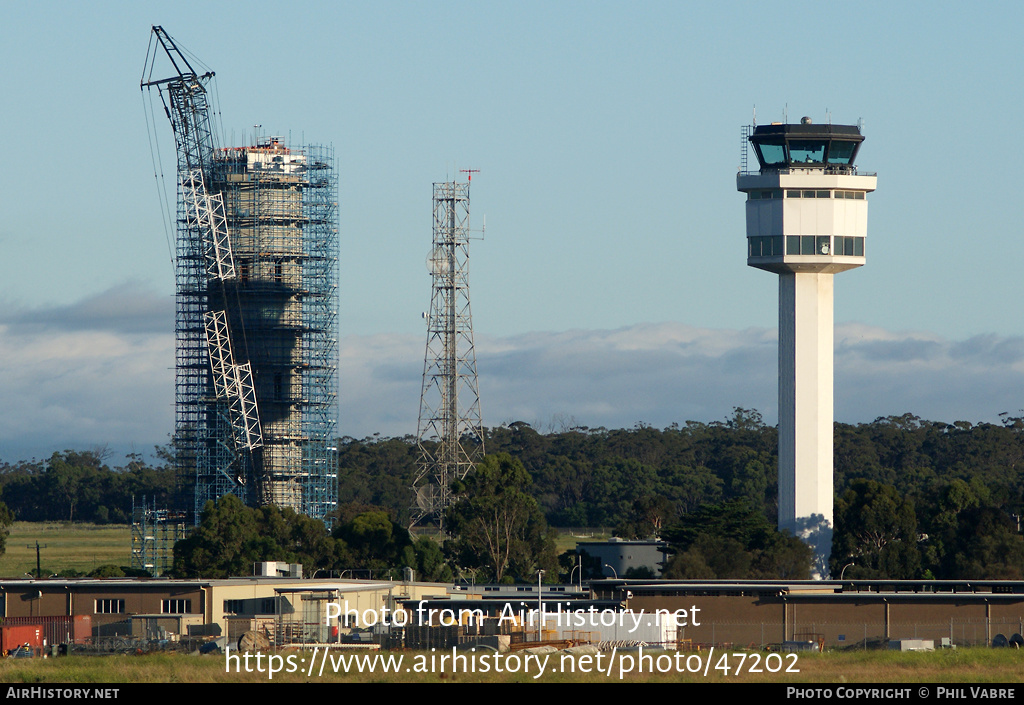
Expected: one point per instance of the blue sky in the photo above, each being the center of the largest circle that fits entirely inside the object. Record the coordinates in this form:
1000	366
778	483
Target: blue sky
607	137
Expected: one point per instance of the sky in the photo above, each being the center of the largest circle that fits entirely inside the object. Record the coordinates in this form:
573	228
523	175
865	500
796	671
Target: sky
610	287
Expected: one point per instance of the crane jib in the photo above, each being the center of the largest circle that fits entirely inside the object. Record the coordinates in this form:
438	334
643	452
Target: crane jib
204	229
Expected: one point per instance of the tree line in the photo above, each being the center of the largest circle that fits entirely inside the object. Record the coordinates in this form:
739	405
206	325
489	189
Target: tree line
497	533
915	499
80	486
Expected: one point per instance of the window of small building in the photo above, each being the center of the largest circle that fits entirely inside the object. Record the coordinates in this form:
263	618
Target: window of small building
851	195
109	606
850	246
805	244
175	606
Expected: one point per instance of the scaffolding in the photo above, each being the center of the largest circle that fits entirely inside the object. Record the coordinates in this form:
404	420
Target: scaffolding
154	532
449	429
256	342
281	212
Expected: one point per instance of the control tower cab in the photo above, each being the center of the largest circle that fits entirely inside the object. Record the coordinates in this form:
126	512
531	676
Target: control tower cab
807	207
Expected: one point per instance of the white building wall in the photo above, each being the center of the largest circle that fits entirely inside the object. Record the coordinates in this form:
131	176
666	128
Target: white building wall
806	405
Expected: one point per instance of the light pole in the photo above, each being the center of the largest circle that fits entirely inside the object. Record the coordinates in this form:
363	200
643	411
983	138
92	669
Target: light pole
540	605
580	567
614	573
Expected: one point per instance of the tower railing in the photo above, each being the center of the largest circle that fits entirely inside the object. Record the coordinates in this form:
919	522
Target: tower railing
840	170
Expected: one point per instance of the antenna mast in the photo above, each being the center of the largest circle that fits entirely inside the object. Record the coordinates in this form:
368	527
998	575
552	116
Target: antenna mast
450	427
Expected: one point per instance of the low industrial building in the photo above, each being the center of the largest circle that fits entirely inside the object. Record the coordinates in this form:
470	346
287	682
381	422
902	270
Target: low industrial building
836	614
171	609
748	613
618	558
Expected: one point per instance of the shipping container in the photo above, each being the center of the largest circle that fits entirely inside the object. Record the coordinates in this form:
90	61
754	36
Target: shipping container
75	629
13	636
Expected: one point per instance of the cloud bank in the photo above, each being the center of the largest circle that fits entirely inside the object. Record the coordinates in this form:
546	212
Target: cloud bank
667	373
95	373
100	373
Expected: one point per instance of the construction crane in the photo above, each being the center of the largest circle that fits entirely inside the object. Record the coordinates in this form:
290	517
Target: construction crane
212	350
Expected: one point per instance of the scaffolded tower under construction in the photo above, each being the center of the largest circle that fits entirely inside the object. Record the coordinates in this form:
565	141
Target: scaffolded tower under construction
255	263
450	434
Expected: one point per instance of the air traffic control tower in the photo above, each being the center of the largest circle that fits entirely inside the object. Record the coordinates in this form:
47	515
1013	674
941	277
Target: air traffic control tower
807	216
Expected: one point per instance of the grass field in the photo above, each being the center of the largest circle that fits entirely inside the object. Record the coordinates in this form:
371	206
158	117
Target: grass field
568	538
960	666
64	546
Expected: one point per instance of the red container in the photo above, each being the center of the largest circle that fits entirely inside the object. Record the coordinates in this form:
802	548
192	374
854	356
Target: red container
57	630
13	636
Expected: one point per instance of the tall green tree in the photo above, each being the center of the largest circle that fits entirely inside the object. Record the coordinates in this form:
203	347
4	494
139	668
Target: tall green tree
225	544
497	527
231	537
734	540
6	519
377	543
982	544
875	534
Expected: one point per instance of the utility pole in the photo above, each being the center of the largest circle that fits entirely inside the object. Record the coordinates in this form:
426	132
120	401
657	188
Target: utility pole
39	564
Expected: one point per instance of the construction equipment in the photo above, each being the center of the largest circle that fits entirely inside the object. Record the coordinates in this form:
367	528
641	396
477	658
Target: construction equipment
217	423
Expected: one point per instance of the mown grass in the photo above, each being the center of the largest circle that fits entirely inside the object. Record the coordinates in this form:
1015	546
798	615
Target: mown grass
976	665
64	546
568	538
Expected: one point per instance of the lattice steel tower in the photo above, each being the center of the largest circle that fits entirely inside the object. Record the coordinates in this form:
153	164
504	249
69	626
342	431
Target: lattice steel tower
449	429
256	361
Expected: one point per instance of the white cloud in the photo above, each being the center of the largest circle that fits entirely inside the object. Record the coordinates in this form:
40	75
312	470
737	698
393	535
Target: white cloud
671	372
100	373
84	388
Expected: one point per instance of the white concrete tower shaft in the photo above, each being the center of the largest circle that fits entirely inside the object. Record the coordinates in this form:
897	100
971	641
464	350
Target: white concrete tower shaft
806	221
